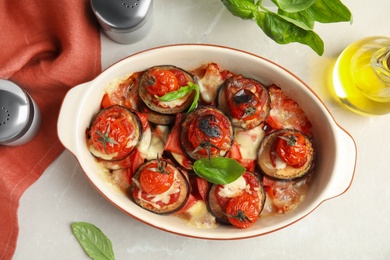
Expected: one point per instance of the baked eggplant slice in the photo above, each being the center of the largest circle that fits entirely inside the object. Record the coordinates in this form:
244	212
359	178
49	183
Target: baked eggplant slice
157	81
245	100
114	133
286	154
156	117
220	195
206	132
160	187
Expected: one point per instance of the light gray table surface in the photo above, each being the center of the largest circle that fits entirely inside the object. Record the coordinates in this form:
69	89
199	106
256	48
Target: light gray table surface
355	225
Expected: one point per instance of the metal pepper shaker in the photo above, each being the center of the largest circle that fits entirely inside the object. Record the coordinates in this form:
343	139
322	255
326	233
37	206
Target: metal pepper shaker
124	21
19	115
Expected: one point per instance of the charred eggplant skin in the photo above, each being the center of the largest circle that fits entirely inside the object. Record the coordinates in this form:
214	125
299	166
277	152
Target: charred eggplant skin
245	100
167	209
119	121
219	213
205	132
170	108
286	172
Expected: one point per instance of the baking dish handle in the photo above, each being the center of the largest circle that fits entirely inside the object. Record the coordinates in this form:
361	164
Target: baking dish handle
68	112
344	169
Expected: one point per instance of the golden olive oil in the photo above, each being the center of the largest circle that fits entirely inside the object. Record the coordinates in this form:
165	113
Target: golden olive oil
357	82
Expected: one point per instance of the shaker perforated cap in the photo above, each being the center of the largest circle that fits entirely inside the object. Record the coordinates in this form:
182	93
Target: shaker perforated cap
121	16
15	112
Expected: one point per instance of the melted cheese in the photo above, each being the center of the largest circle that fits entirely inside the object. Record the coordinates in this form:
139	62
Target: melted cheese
279	163
157	144
209	84
234	188
163	197
249	141
200	217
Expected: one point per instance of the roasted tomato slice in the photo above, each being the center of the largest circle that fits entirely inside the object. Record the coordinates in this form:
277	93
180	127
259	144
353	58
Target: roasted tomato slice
157	81
157	177
292	148
286	113
220	195
245	100
206	132
160	187
243	210
161	81
277	159
114	133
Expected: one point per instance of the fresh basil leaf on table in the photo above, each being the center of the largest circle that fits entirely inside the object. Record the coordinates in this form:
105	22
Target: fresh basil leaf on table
97	245
294	20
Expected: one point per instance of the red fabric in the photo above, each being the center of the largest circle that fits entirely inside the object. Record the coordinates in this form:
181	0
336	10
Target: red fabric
46	47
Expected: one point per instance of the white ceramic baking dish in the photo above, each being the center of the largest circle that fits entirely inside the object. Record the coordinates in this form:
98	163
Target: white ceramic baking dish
336	149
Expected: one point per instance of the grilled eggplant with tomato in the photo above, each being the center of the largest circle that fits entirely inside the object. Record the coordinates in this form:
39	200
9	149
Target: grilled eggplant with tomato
219	196
160	187
206	132
114	133
245	100
286	154
158	81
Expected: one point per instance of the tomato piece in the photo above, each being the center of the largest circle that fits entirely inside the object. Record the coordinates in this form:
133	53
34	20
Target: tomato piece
161	82
143	118
243	210
203	187
157	178
235	154
114	133
199	187
190	202
182	80
137	160
206	132
222	201
106	102
292	148
286	113
173	141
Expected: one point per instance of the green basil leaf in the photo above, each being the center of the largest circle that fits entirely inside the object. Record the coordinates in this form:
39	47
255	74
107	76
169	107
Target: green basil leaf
329	11
302	16
218	170
93	241
196	98
283	30
241	8
293	5
180	93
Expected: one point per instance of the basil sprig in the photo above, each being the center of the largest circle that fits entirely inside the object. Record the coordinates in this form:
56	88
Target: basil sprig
218	170
294	20
182	92
97	245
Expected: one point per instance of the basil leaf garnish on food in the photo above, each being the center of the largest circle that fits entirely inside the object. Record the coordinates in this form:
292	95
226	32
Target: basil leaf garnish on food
93	241
182	92
218	170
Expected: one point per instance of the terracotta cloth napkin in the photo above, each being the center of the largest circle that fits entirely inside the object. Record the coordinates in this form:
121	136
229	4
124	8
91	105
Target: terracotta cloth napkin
46	47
